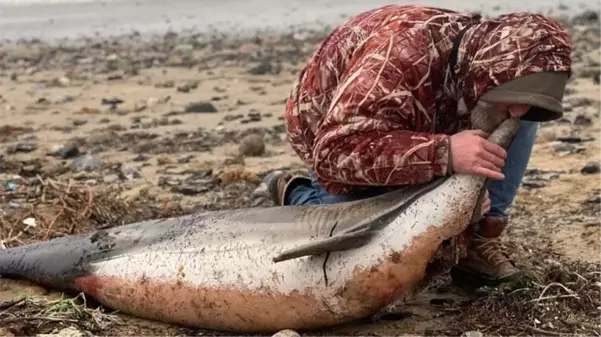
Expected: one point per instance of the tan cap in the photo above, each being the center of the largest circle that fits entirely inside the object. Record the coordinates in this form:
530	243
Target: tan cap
543	91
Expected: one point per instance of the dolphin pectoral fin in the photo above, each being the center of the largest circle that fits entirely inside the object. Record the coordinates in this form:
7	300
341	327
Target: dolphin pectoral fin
335	243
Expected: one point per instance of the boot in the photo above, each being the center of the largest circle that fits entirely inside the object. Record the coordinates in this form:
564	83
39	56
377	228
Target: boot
278	184
487	263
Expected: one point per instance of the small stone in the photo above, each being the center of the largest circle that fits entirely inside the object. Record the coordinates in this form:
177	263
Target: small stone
68	151
265	67
188	86
111	178
87	111
201	107
6	332
112	102
582	120
129	172
286	333
570	139
86	163
252	145
165	84
190	189
553	263
590	168
79	122
21	147
565	147
586	18
473	334
254	116
61	82
67	332
141	157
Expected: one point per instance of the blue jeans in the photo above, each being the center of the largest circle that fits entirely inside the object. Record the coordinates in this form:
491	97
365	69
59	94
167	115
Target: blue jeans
501	192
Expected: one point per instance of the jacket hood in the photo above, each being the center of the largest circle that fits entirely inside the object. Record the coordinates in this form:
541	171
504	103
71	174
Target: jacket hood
502	52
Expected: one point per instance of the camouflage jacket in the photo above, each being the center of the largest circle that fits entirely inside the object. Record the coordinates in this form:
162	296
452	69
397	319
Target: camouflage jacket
377	100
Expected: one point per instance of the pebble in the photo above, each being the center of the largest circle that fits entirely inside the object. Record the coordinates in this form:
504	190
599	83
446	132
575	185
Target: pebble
87	163
286	333
582	120
201	107
79	122
252	145
110	178
188	86
21	147
586	18
190	189
66	332
68	151
590	168
472	334
165	84
112	102
61	82
129	172
265	67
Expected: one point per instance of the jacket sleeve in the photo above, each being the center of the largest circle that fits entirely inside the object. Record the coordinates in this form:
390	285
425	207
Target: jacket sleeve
366	137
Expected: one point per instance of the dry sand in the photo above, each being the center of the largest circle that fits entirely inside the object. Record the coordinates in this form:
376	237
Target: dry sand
154	152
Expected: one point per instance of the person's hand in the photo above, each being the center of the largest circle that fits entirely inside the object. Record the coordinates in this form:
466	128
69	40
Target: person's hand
472	153
485	203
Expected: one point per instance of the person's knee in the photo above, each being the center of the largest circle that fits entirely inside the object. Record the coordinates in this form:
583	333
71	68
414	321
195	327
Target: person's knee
302	195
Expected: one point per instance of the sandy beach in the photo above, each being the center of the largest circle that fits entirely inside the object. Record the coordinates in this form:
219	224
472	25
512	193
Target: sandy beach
159	110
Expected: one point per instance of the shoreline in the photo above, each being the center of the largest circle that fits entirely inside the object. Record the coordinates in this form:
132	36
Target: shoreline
68	21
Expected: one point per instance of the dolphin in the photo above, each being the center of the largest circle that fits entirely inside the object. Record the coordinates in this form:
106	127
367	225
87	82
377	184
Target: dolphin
262	270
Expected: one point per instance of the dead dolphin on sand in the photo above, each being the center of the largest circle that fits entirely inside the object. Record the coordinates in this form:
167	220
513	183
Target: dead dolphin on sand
218	270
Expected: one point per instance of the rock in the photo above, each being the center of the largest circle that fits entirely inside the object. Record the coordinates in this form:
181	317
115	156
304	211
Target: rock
183	49
252	145
582	120
565	147
111	178
21	147
165	84
229	118
254	116
186	87
129	172
472	334
112	102
87	111
201	107
590	168
286	333
265	67
190	189
574	139
593	200
576	102
141	157
6	332
67	332
79	122
87	163
65	99
586	18
68	151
